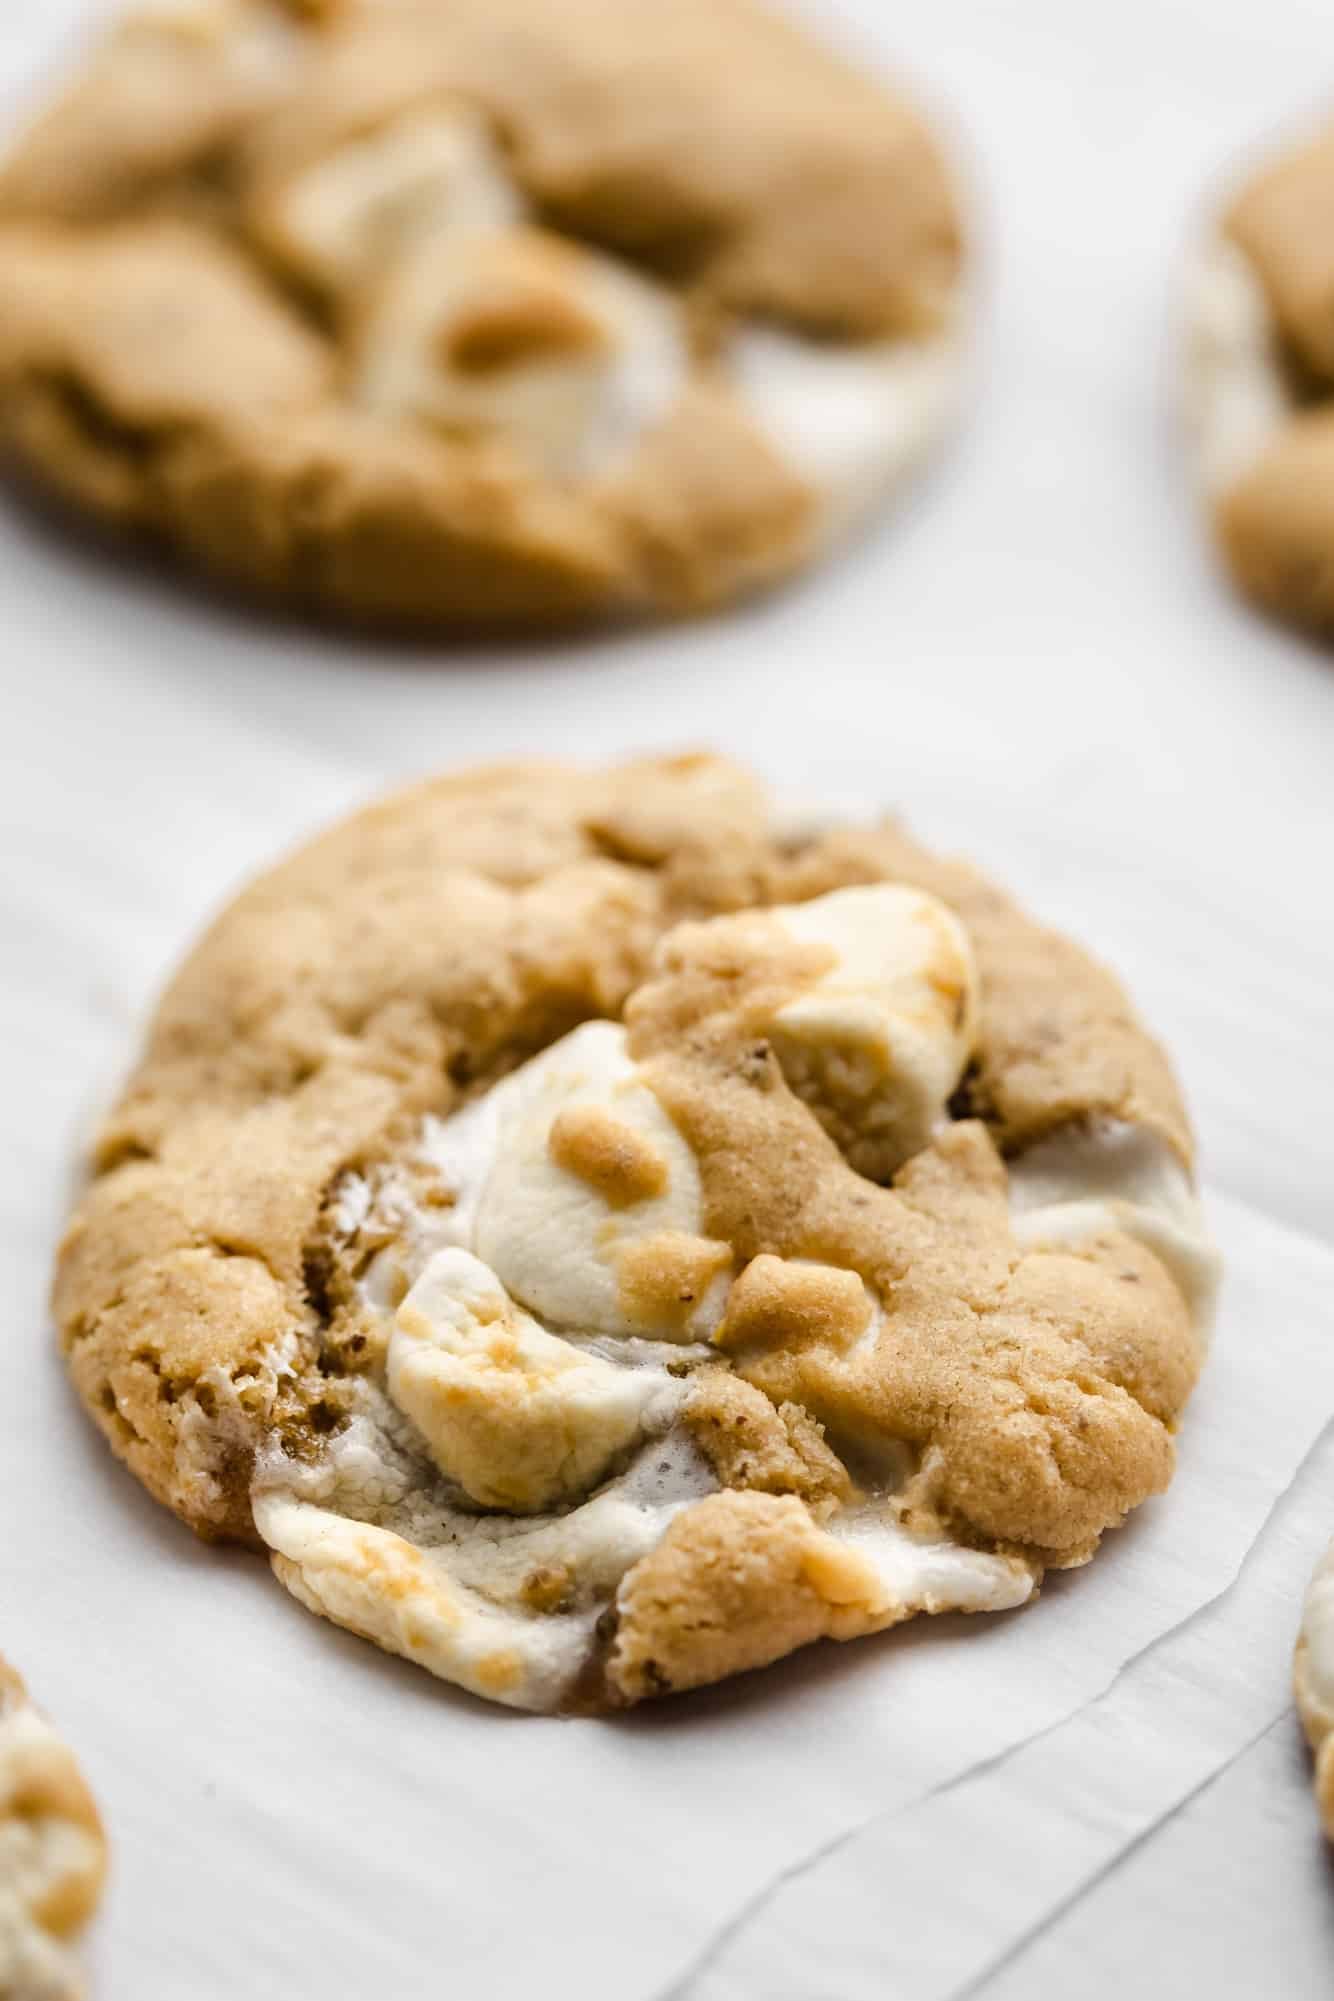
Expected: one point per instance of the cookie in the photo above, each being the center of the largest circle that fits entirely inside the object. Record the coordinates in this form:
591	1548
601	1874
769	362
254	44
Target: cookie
52	1853
600	1235
486	313
1313	1682
1260	381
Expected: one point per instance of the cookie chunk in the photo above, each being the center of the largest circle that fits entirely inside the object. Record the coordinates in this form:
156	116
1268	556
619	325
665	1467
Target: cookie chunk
1260	364
598	1239
480	314
52	1853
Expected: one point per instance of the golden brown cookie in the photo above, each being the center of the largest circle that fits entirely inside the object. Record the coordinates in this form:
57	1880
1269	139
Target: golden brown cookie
1313	1682
1260	362
52	1853
481	313
600	1236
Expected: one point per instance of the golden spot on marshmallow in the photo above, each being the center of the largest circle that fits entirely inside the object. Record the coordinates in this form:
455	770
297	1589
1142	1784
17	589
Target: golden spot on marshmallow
522	323
500	1671
619	1163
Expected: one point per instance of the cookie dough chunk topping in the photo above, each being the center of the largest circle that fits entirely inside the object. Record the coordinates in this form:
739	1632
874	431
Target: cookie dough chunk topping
52	1853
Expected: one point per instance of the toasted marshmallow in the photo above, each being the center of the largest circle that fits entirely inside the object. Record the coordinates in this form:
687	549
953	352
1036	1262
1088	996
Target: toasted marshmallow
52	1855
851	421
879	1042
427	174
501	1606
378	1584
519	1418
1108	1174
566	1177
1237	398
565	355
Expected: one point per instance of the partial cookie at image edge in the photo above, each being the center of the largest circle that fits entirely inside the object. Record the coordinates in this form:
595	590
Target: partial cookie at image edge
53	1853
1259	386
1313	1682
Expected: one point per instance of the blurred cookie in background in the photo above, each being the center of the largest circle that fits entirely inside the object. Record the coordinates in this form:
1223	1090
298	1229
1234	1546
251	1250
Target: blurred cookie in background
1313	1682
494	312
1260	363
53	1854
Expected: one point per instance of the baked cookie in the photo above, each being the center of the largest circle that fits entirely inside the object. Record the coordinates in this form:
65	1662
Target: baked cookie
487	312
600	1236
1260	363
52	1853
1313	1682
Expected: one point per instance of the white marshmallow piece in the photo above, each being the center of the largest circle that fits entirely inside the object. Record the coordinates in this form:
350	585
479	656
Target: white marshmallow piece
853	421
931	1576
1109	1174
563	354
427	174
552	1238
1236	397
520	1419
879	1042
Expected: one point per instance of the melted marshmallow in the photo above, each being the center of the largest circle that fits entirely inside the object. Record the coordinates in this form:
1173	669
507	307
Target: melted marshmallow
932	1575
453	1591
554	1240
427	174
563	354
1237	399
851	421
881	1038
1108	1174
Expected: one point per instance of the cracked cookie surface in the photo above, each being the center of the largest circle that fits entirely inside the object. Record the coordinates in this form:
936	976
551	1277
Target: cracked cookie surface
1260	383
599	1238
483	313
52	1853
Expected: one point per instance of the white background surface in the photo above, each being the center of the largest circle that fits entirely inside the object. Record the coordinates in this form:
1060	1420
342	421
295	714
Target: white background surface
1103	1794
